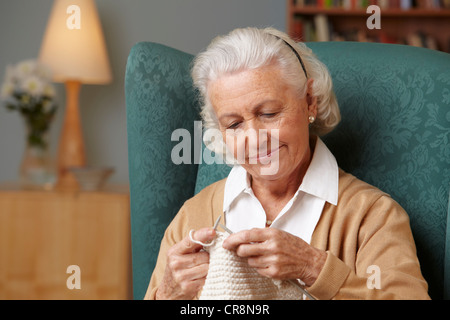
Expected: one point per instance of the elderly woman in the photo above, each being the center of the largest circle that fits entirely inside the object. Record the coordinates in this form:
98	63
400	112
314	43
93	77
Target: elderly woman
306	220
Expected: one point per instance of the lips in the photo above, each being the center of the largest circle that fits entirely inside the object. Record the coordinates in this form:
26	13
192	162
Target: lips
264	157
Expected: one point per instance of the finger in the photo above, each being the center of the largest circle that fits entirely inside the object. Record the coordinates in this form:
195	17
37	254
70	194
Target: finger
193	287
245	237
268	272
252	249
204	235
192	284
191	260
194	273
260	262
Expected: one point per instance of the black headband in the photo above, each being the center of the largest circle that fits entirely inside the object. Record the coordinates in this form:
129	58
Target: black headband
298	56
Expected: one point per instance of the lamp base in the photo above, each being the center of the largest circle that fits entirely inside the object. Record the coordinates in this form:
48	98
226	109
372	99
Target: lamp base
67	181
71	147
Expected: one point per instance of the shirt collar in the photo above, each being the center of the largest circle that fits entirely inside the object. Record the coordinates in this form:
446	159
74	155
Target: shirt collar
237	182
321	179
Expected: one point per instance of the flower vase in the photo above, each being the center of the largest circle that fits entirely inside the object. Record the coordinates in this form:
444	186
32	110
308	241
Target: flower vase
37	170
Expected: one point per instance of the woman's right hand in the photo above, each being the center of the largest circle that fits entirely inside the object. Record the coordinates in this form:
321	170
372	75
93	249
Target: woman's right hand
186	268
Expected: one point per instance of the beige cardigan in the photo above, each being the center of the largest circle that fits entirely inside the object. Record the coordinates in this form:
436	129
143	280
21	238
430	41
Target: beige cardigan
366	228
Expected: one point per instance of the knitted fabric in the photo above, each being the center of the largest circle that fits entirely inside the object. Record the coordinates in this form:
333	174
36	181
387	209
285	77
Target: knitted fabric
231	278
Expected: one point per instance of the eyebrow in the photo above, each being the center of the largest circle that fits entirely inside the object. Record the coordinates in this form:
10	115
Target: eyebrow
256	107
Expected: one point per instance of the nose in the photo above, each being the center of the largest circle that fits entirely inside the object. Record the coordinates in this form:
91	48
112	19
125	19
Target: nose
256	137
251	141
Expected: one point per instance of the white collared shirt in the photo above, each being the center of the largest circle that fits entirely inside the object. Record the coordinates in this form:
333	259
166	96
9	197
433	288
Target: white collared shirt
300	215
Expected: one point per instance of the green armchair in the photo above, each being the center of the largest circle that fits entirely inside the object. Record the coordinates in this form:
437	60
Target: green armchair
394	134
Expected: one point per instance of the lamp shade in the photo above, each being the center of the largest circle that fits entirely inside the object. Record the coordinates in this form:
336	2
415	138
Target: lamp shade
73	46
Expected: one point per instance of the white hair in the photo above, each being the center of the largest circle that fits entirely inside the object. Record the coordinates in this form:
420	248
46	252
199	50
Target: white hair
252	48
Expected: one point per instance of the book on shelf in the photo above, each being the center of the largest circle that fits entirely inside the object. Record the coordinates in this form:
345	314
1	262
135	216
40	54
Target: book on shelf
383	4
320	29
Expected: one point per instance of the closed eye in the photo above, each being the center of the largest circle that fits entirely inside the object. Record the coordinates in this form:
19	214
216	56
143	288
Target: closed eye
234	125
269	115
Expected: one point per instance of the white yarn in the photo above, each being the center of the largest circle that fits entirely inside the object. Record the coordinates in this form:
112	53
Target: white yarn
198	242
231	278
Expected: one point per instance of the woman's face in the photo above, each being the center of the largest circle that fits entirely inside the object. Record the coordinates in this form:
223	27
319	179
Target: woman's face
250	101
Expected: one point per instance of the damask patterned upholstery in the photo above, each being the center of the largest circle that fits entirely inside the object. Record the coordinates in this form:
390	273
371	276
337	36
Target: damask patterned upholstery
394	134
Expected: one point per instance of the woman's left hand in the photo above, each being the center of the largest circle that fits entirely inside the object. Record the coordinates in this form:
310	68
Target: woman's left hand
278	254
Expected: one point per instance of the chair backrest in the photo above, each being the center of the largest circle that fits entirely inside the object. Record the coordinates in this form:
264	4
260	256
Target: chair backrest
394	134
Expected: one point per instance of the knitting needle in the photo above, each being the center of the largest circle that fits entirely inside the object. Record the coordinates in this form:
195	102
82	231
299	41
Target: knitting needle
217	223
226	229
295	283
303	290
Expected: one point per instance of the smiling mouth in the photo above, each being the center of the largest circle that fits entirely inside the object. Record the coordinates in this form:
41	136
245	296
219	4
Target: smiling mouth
264	157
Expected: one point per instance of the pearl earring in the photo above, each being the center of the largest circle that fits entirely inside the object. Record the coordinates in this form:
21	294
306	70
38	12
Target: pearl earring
311	119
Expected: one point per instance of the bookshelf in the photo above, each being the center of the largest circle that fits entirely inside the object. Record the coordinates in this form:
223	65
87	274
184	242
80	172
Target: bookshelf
424	23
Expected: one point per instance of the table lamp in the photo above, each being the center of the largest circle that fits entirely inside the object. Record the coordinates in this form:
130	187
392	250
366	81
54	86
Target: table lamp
73	47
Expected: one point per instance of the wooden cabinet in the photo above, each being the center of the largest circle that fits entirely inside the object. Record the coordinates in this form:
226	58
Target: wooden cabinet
419	26
42	233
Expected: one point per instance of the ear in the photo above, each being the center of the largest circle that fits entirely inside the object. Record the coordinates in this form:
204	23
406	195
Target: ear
311	99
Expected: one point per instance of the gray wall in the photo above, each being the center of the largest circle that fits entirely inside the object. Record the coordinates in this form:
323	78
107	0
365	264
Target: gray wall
188	25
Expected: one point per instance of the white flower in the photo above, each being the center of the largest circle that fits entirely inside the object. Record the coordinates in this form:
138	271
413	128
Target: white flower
26	68
43	72
49	90
7	89
9	81
29	77
33	86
